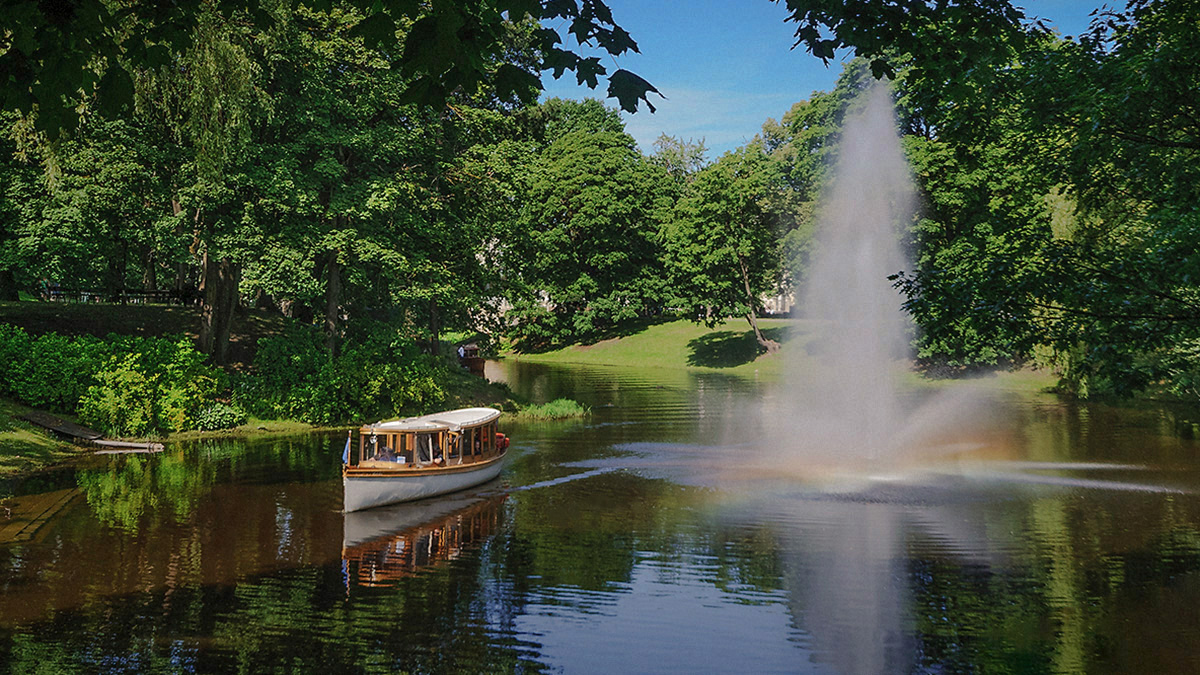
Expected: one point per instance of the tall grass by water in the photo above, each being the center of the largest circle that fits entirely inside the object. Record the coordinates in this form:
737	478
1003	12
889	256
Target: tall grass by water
558	409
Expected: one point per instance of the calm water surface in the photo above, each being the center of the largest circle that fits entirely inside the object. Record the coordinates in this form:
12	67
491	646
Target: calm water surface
1063	539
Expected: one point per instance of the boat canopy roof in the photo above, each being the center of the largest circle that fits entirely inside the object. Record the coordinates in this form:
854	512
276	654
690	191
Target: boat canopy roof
451	420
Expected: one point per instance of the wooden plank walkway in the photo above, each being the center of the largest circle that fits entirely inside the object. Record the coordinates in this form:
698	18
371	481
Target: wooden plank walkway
61	426
83	434
22	517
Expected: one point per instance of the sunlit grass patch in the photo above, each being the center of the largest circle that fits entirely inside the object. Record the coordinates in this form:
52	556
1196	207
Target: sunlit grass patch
728	348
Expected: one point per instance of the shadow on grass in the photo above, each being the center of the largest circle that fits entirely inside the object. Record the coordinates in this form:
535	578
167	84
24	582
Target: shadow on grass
729	349
624	329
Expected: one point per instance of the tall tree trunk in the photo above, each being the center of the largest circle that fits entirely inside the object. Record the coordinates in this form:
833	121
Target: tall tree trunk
435	329
114	277
150	271
333	297
219	292
770	345
8	286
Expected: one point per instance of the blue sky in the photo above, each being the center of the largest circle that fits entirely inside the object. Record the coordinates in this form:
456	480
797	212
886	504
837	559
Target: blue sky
725	66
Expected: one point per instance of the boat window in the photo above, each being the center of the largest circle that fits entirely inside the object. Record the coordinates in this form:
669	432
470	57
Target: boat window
471	442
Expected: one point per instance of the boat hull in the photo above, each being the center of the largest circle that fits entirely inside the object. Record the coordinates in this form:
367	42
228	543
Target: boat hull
368	489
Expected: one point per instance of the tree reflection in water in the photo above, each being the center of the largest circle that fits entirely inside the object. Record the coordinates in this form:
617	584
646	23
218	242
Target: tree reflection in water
622	546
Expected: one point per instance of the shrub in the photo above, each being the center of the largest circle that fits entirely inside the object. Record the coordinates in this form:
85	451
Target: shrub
150	385
122	385
220	416
50	371
15	346
378	375
559	408
122	401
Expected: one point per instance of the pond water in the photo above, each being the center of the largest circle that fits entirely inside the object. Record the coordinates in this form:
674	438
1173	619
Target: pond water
648	537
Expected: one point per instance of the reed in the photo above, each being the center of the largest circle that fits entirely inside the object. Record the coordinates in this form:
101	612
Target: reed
558	409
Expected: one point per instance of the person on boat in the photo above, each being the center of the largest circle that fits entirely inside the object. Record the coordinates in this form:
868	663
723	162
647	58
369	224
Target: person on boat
424	448
386	455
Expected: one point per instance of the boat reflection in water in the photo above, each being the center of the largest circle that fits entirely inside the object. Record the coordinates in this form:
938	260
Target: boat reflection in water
385	544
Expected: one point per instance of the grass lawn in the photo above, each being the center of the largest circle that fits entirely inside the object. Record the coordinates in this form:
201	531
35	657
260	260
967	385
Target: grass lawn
730	348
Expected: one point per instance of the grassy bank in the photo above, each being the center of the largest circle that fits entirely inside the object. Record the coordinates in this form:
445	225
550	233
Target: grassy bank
730	348
25	447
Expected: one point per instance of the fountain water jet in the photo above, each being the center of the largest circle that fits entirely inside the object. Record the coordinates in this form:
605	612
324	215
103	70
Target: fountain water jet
842	403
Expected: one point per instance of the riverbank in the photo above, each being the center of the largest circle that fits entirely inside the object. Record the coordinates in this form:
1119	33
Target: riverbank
24	447
730	348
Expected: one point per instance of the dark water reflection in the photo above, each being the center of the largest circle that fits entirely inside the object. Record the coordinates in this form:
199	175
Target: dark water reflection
1068	540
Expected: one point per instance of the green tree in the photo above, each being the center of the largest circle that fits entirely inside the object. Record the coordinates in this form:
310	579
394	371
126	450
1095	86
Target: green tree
53	56
1060	207
682	159
941	39
591	217
1127	309
23	198
721	244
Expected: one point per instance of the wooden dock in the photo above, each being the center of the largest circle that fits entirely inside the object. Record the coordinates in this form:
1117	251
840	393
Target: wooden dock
61	426
82	434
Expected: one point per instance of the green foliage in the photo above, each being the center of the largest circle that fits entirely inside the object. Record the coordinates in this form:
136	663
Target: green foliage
58	56
123	386
1060	199
379	375
50	371
681	159
123	400
558	117
721	244
150	386
588	254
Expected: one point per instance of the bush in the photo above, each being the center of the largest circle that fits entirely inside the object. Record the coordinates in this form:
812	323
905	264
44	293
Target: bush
15	347
220	416
150	385
377	376
50	371
122	402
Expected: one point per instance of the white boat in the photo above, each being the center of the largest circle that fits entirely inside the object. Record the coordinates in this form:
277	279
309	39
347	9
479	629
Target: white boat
408	459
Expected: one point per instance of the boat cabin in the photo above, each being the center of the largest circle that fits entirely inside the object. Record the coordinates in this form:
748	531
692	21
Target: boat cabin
450	438
469	358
